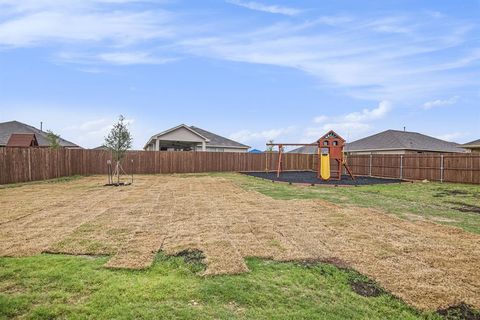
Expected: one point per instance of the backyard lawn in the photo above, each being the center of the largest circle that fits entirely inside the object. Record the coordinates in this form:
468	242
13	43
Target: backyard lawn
226	246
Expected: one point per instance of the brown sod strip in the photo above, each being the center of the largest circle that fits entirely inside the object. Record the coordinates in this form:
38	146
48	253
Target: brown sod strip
429	266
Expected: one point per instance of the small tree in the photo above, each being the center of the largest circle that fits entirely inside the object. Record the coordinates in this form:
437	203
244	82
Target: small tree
270	148
53	139
118	141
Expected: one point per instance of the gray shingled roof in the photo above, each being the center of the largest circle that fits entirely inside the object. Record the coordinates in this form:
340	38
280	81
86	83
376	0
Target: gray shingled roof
395	140
305	149
7	128
216	140
475	143
402	140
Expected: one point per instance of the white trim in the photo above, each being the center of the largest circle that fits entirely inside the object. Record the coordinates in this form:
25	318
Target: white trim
155	136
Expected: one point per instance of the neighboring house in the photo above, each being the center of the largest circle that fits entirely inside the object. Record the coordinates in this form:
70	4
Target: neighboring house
473	146
395	142
22	133
255	151
189	138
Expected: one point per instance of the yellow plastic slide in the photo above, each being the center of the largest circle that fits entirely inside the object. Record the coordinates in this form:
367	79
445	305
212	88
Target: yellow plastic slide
325	166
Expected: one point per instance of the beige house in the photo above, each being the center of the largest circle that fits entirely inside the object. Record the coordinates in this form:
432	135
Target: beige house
473	146
190	138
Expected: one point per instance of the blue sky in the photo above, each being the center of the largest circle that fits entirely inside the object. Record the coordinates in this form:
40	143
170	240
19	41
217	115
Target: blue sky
249	70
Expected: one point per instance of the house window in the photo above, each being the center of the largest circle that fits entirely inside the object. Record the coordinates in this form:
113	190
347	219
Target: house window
335	143
325	143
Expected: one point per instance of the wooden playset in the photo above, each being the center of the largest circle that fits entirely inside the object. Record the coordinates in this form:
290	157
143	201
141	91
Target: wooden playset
329	147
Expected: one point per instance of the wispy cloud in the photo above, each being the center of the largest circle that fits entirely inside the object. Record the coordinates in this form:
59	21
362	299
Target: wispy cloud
358	122
395	58
288	11
452	136
92	133
439	103
248	136
109	34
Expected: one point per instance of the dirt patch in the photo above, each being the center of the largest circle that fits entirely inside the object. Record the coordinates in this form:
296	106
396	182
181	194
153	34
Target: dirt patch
192	256
460	312
464	207
455	192
425	264
452	192
308	263
366	288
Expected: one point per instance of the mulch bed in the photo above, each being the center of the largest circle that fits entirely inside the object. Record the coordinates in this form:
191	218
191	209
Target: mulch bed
366	288
460	312
309	177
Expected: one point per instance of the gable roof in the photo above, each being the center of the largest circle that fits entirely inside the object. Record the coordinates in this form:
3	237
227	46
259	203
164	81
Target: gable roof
22	140
211	139
305	150
402	140
472	144
331	134
11	127
394	140
218	141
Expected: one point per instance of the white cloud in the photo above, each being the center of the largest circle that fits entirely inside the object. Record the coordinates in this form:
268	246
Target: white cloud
121	28
354	123
247	136
452	136
408	64
439	102
126	58
92	133
320	119
266	8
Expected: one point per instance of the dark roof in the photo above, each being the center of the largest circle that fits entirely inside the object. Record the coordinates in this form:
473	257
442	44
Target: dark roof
10	127
394	140
216	140
100	148
22	140
474	143
305	149
402	140
255	151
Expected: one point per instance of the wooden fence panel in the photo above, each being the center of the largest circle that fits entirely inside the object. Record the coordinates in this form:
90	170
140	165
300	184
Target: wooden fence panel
30	164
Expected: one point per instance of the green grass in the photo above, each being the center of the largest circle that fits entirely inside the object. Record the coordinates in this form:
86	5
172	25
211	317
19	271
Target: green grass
432	201
57	286
49	181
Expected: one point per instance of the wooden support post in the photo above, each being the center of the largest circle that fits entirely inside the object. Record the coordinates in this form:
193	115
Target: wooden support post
266	161
318	162
29	165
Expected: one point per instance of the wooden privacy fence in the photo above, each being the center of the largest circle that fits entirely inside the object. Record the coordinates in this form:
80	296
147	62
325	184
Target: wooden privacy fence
464	168
31	164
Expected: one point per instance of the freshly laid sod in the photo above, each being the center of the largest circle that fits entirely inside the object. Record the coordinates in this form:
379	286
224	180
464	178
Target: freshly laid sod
57	286
428	266
445	203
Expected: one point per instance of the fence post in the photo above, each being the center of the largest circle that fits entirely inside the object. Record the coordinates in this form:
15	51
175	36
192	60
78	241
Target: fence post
441	168
29	165
401	167
370	166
